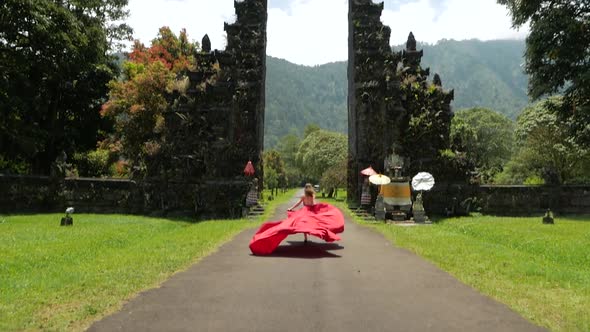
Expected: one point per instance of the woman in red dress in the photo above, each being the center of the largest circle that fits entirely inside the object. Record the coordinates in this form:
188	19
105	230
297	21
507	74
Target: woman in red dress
318	219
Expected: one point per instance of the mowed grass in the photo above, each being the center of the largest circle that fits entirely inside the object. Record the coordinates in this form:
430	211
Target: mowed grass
540	271
63	278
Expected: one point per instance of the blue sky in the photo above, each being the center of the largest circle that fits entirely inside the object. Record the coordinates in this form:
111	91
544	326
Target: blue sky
312	32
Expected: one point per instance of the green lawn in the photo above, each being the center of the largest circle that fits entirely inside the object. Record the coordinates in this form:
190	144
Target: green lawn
63	278
541	271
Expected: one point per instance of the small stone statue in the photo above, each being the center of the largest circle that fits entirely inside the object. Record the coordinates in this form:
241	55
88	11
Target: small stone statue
418	210
59	166
393	164
548	218
68	220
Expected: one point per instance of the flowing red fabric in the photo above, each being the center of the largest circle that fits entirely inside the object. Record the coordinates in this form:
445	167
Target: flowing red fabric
321	220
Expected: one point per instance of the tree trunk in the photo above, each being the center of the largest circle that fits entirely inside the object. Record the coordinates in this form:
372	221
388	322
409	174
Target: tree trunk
331	193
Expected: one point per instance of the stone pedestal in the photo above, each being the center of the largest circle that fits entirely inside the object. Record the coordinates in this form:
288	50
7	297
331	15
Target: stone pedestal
379	208
548	218
67	221
418	210
398	215
420	217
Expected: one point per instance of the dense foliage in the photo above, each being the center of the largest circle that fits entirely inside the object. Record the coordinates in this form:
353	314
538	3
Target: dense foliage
287	147
299	95
558	55
546	152
425	128
55	64
320	151
487	138
138	102
275	176
484	74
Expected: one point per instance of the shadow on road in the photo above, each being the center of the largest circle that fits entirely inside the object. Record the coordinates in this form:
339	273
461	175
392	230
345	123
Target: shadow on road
298	249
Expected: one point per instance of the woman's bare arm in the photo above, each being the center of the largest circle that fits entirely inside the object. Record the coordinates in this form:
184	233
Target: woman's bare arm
296	204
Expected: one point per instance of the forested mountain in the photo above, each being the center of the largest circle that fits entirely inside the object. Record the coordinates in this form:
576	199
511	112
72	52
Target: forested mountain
483	74
300	95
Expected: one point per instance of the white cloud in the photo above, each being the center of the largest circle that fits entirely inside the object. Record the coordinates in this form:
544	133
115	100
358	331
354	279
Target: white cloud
313	32
310	32
461	19
199	17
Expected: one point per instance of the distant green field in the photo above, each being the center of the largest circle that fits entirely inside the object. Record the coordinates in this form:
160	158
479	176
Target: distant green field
63	278
540	271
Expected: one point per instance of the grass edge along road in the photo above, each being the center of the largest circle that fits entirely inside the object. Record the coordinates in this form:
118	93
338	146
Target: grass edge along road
540	271
64	278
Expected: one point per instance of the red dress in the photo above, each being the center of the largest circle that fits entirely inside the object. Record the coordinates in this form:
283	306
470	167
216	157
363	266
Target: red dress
321	220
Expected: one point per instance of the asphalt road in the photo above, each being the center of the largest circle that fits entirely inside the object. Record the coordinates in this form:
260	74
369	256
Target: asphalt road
361	283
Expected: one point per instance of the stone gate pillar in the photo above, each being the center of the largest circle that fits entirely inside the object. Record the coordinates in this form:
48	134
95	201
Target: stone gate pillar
220	125
373	93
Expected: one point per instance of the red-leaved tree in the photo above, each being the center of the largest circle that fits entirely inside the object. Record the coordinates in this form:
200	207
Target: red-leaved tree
138	101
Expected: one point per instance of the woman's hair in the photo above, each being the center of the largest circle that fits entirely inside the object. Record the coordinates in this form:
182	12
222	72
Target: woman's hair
309	192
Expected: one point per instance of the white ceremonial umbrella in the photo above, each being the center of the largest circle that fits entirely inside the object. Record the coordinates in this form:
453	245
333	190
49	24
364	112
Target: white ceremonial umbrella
423	181
379	179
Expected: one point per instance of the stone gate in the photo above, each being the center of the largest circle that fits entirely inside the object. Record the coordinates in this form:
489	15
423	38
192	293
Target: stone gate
219	125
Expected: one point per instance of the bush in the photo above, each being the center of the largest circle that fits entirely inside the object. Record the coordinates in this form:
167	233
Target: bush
93	163
534	180
13	166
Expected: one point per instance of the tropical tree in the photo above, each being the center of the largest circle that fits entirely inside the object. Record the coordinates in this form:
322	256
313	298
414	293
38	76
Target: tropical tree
320	151
138	102
55	62
557	56
271	180
274	171
137	106
487	137
287	147
310	128
334	178
546	151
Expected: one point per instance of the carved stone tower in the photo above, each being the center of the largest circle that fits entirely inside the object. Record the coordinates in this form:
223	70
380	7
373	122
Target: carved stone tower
374	106
219	125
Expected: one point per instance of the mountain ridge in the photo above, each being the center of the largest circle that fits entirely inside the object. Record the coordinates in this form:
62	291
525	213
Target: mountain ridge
482	73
